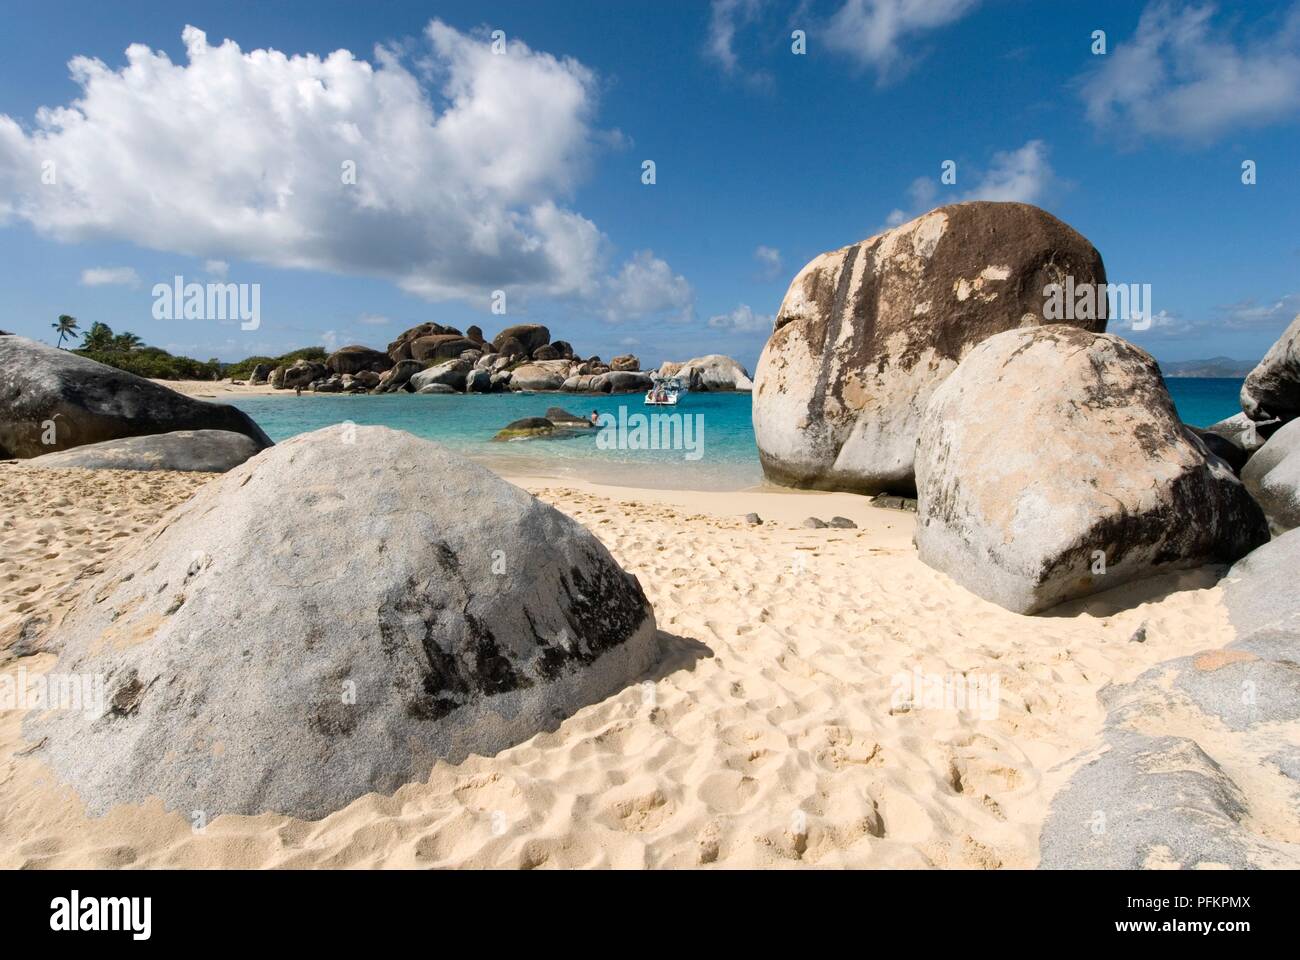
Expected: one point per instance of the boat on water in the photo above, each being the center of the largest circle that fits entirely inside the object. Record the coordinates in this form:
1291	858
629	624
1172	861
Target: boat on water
664	392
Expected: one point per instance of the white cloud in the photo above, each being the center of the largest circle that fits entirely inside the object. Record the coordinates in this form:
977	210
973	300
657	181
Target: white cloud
459	187
646	286
109	276
873	31
770	260
1180	77
742	320
726	18
373	320
1022	175
1251	315
216	268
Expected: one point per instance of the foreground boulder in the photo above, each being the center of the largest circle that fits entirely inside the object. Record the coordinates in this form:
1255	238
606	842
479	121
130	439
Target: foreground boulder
52	400
1272	390
1167	791
356	358
866	333
206	451
712	373
1273	478
1052	465
330	619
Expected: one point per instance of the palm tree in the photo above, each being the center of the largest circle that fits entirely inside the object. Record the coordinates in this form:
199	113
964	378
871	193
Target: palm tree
66	325
98	337
126	342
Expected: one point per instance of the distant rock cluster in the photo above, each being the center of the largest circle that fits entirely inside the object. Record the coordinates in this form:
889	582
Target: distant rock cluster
432	358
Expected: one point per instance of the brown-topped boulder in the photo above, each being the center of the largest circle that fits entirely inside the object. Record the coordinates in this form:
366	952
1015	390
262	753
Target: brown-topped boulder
564	349
355	358
440	346
400	349
867	332
475	333
546	352
625	364
399	377
261	373
530	337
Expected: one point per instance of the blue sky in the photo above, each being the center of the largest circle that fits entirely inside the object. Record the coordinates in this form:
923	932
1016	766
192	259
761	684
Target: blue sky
523	172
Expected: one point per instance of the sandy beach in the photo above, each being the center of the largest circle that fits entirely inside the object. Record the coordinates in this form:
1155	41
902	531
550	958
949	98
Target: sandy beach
223	390
770	734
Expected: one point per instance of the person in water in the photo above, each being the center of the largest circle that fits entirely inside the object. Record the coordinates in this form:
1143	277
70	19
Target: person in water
595	418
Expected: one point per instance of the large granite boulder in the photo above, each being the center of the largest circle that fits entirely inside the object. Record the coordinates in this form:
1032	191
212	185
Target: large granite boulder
439	347
540	375
303	373
356	358
207	451
622	381
1244	433
261	373
398	378
276	377
529	336
330	619
627	363
1052	464
452	373
1272	476
1272	391
52	400
400	349
866	333
711	373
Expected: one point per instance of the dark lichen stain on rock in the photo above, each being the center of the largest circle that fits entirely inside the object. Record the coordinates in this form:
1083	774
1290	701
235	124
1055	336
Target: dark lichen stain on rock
126	699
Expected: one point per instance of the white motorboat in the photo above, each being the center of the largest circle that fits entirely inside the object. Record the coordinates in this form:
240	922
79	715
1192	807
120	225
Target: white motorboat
664	392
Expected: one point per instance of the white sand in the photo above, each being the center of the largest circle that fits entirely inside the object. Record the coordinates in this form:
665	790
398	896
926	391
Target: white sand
223	390
765	738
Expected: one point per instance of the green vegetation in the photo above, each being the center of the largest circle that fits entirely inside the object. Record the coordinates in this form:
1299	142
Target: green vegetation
244	368
126	351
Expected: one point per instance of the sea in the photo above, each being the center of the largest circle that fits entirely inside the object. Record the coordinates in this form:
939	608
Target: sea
714	450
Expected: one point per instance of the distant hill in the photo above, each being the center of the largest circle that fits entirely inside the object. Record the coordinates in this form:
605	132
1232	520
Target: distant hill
1214	367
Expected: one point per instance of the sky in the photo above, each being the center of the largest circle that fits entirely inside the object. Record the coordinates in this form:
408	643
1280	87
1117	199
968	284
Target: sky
373	166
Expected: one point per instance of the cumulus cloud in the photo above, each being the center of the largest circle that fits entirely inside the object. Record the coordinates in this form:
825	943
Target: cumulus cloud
373	320
874	31
1182	77
1024	175
449	188
1252	315
109	276
216	268
742	320
647	287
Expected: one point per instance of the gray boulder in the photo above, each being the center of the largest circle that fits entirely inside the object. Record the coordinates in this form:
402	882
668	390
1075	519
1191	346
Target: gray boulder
711	373
622	381
1052	464
330	619
261	372
47	394
1273	478
399	376
540	375
478	381
436	388
302	373
207	451
866	333
1243	432
451	373
1272	390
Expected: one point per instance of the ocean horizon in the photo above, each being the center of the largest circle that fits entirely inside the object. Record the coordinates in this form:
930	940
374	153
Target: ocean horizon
726	459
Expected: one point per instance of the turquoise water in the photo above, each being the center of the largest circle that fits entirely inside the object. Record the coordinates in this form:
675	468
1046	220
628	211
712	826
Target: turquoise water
727	458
